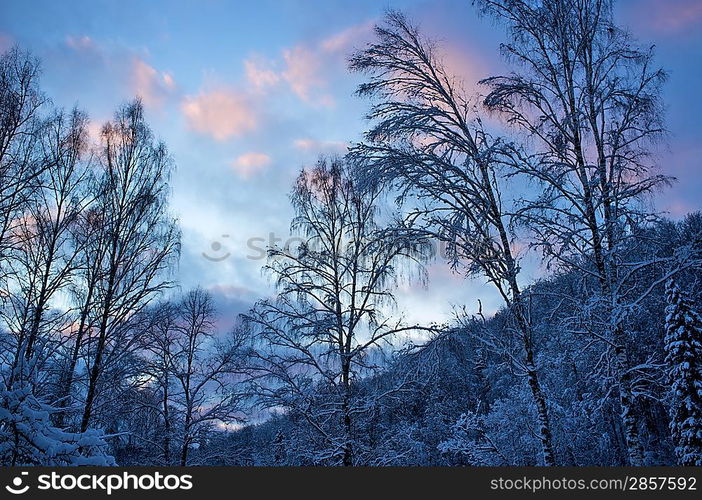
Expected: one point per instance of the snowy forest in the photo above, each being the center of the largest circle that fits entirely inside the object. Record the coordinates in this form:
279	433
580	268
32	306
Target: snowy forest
106	360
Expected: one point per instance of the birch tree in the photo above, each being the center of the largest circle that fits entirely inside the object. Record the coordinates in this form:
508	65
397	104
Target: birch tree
204	370
21	103
318	336
44	259
157	347
589	102
137	240
428	142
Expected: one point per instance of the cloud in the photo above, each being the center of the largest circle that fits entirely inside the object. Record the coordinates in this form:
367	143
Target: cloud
304	66
89	52
81	43
345	40
94	129
465	65
230	301
5	42
678	208
123	72
148	83
168	80
666	17
307	144
221	113
249	164
232	291
260	74
303	75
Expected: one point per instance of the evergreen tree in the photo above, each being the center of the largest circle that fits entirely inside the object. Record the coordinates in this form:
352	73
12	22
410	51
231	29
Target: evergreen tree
683	347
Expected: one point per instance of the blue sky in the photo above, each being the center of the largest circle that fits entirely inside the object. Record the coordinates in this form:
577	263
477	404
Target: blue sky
246	93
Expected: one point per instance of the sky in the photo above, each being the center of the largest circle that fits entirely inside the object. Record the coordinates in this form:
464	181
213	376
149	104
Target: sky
245	94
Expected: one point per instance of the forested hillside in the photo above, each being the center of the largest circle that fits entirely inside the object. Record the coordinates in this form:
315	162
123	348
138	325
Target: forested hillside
462	398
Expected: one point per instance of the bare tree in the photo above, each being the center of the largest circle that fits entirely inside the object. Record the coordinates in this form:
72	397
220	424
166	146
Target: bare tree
319	334
20	166
589	101
44	257
205	370
157	347
428	142
193	372
137	241
86	237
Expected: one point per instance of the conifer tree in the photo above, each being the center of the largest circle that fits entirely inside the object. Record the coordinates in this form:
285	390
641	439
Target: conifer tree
683	347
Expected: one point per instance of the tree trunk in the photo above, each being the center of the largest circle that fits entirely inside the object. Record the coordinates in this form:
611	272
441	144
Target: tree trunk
102	340
184	454
348	450
41	302
346	409
626	400
68	383
167	426
544	422
519	310
92	383
95	372
186	442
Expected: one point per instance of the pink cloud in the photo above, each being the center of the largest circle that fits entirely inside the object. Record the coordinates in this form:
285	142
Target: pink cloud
149	84
316	146
5	42
441	272
260	74
678	208
81	42
465	65
345	40
94	129
666	16
304	66
128	69
249	164
221	113
303	74
168	80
